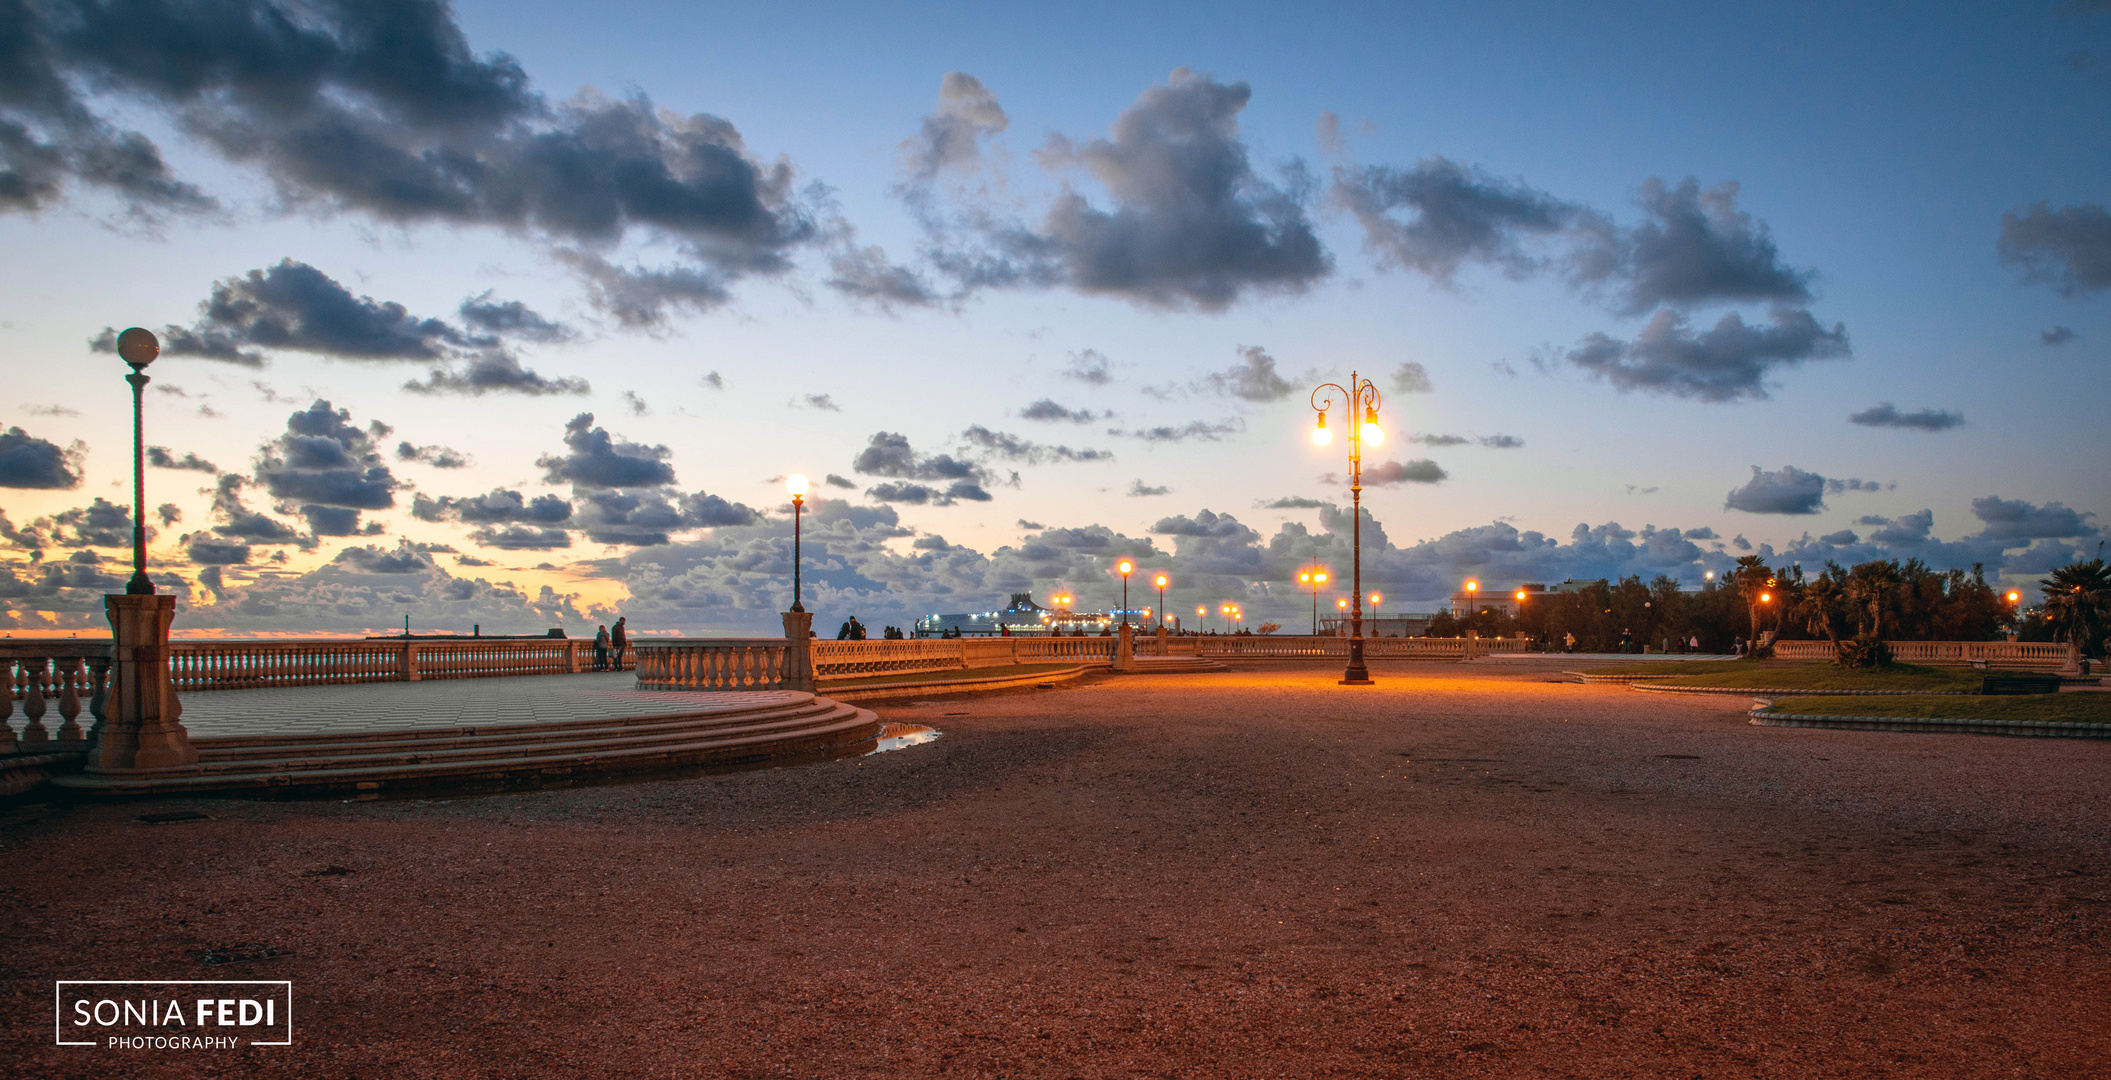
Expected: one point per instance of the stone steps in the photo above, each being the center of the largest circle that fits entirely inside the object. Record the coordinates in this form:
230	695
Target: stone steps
1174	665
514	754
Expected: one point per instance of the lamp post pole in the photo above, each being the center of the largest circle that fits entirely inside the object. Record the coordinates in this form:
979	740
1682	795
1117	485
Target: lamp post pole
1126	567
1360	408
1314	577
797	485
138	347
1162	579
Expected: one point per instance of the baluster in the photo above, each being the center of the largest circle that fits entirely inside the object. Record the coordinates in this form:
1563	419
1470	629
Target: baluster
33	734
7	705
98	689
69	672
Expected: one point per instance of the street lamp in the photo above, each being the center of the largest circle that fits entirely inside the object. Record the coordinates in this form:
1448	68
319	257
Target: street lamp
1359	400
1314	577
1161	581
796	484
1201	618
1126	567
1375	597
138	347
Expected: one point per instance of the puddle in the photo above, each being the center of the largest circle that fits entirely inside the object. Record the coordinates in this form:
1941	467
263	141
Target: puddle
896	736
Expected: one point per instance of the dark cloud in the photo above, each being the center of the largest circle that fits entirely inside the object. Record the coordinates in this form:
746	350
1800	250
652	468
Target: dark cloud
1198	429
1046	409
1787	490
55	410
296	307
369	559
324	463
832	480
1885	414
521	538
595	459
2016	520
2068	248
168	513
1139	489
1834	486
512	319
501	507
635	404
1418	471
889	454
161	457
823	402
920	494
1726	363
1434	439
1452	215
1089	367
207	551
1013	448
866	274
101	523
642	299
952	136
2058	335
1501	442
712	380
1253	378
1294	502
1844	536
1695	247
29	462
495	372
237	521
439	457
1412	378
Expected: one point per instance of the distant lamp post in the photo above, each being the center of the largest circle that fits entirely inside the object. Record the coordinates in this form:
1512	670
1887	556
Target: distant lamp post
1709	576
1201	618
1359	402
1473	592
1314	577
1375	598
138	347
796	484
1126	567
1162	581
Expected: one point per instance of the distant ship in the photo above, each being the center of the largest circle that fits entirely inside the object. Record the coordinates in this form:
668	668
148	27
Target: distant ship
1024	618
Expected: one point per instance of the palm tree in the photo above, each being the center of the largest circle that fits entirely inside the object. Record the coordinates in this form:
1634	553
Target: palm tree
1870	585
1825	602
2077	601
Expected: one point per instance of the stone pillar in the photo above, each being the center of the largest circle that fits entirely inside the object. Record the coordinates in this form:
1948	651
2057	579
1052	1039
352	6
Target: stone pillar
141	730
798	651
1161	641
1125	650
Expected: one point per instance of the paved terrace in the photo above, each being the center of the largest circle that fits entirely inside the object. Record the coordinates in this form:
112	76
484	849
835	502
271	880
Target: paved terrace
1453	873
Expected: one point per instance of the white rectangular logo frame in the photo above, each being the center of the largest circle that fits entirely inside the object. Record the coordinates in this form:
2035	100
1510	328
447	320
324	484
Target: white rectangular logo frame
58	1001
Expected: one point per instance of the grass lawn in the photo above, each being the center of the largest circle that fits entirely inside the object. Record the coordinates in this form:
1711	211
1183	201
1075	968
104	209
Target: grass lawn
2090	708
1822	676
952	675
1670	669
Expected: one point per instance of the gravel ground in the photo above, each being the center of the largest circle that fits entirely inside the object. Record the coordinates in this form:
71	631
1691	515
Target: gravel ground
1248	874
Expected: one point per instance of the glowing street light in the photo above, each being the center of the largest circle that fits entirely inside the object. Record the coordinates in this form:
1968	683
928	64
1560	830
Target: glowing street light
1314	577
1126	567
1375	597
1161	580
1201	618
796	484
1358	399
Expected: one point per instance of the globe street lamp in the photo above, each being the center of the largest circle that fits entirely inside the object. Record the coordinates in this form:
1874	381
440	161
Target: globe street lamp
138	347
1126	567
1380	627
1162	581
1473	590
796	484
1314	577
1201	618
1359	402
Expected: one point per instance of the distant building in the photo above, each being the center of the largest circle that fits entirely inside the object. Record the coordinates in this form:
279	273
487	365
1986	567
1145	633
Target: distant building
1024	618
1505	600
1402	624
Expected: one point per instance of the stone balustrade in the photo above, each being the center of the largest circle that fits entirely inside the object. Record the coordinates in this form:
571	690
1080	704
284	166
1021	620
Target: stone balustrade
2000	654
51	675
715	663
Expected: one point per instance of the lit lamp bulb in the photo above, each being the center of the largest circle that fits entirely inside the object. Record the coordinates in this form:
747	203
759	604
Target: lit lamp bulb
1373	435
796	484
1520	595
1766	598
1161	581
2014	596
1320	577
1320	435
1125	567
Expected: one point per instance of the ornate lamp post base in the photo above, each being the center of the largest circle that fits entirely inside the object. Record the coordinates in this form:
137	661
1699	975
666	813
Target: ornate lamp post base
141	729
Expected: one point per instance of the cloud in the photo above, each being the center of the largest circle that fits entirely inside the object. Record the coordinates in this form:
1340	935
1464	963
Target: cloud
595	459
1089	367
952	136
439	457
832	480
890	455
1252	379
2058	335
1138	489
237	521
495	372
1726	363
169	513
161	457
920	495
1418	471
636	404
1885	414
1046	409
512	319
1013	448
1788	490
866	274
1412	378
1432	439
1294	502
1030	525
1188	223
1501	442
1201	430
328	468
642	299
60	410
501	507
1835	487
823	402
207	551
29	462
1454	215
1844	536
2068	248
294	306
712	380
2016	520
1694	248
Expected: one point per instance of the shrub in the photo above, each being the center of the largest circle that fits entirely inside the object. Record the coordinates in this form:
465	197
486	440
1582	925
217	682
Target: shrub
1863	652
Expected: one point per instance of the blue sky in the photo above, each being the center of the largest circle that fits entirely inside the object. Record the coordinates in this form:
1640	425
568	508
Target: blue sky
1865	202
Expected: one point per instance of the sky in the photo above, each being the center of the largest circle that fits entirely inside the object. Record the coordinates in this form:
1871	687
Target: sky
517	315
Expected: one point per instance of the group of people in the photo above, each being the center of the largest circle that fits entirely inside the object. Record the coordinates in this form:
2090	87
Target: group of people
853	630
609	646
